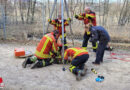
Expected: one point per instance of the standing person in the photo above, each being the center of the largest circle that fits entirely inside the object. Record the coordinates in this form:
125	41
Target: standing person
101	35
57	23
43	51
77	57
88	17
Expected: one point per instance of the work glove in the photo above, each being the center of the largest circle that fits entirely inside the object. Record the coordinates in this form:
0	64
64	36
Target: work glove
76	16
53	54
69	19
86	16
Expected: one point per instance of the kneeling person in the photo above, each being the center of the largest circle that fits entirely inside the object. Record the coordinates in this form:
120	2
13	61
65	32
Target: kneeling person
45	51
77	57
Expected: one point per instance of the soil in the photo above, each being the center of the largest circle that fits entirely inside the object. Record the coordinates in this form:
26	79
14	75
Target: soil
116	72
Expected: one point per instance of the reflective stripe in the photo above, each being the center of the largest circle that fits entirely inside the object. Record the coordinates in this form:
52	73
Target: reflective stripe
95	46
65	54
51	61
88	15
80	16
53	22
51	53
71	53
44	46
48	38
40	54
59	56
77	52
88	33
33	58
66	22
58	25
84	48
65	44
49	20
64	35
44	63
71	68
53	46
69	19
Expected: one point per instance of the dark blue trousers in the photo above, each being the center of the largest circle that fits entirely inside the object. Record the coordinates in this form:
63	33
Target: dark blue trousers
100	51
79	63
85	41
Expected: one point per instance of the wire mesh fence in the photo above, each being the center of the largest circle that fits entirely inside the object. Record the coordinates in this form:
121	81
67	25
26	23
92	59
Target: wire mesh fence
28	19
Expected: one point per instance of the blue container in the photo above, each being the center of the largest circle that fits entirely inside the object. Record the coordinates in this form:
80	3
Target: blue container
99	79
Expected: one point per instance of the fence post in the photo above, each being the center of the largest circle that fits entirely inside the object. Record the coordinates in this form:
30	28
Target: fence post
3	21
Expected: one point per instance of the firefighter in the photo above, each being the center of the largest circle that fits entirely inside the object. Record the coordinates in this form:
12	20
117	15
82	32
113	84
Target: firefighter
45	51
88	17
77	57
57	23
101	35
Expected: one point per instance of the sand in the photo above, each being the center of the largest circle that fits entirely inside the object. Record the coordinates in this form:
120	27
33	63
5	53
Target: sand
116	73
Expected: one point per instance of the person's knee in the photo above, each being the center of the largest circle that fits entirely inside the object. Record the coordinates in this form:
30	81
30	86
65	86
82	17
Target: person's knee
72	67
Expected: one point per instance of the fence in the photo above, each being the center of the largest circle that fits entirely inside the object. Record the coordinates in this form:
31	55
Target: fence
28	20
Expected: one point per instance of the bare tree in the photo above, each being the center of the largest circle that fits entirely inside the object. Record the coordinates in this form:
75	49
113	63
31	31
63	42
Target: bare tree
28	11
33	11
21	11
15	9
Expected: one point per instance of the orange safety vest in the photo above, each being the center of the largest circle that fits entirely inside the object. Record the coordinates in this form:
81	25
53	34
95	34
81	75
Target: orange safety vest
46	45
84	16
74	52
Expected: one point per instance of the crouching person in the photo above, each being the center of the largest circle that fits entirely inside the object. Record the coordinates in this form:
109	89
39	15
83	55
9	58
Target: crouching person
77	57
45	51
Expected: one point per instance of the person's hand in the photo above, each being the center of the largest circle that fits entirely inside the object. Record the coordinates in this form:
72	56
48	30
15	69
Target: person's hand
49	20
76	16
54	54
69	19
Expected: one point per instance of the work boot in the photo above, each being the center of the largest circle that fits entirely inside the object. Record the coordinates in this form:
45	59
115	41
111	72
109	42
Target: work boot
37	64
101	61
109	48
27	61
83	72
95	63
79	75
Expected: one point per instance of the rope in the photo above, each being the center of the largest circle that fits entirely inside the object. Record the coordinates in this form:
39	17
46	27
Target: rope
112	56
